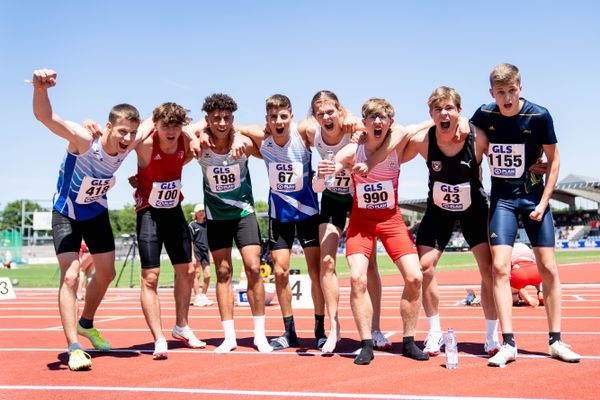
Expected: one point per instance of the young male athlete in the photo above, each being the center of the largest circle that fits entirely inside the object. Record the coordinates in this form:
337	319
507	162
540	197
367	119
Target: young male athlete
375	214
80	210
516	133
334	129
455	193
200	256
293	209
231	217
160	221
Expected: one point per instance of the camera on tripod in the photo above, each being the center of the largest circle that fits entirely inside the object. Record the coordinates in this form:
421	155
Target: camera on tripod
129	258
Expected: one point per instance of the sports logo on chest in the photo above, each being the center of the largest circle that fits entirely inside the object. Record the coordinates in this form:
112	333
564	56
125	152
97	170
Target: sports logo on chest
436	166
180	154
392	165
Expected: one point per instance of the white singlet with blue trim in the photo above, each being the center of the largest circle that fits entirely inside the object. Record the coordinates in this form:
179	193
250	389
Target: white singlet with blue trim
342	183
291	197
83	181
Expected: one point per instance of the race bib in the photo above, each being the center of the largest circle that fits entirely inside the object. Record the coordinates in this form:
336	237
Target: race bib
452	197
375	196
165	194
342	182
92	189
506	160
286	177
223	179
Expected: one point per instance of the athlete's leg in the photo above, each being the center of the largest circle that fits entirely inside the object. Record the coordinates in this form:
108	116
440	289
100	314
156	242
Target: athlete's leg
150	301
196	286
224	270
411	296
483	256
546	261
428	258
205	277
374	289
105	273
67	294
329	236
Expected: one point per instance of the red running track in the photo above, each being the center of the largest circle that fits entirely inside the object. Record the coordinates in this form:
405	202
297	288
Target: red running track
32	347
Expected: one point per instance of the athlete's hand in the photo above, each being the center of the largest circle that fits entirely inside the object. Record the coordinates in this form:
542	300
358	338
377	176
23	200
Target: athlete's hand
539	167
360	168
463	130
206	141
238	146
93	128
134	181
325	167
538	213
43	78
350	123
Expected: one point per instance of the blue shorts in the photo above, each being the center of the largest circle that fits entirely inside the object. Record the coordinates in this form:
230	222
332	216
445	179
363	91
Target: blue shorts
504	221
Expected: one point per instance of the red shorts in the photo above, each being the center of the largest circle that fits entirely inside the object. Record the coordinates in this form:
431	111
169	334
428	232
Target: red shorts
392	232
524	273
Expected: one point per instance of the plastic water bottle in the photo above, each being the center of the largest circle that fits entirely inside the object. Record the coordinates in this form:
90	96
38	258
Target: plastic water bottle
330	178
451	350
228	159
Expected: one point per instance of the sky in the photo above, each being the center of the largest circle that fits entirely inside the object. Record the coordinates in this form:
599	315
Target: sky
149	52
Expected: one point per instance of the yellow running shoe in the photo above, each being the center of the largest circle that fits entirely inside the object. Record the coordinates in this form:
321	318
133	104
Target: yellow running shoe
94	336
79	360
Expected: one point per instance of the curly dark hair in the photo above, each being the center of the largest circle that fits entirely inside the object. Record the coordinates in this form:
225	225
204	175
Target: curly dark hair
219	101
171	113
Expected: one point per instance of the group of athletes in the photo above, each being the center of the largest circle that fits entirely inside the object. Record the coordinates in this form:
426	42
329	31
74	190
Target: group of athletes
512	132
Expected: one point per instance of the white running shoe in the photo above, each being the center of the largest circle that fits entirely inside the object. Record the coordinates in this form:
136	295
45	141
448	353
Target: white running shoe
562	351
491	348
186	335
202	300
380	342
506	354
161	350
433	343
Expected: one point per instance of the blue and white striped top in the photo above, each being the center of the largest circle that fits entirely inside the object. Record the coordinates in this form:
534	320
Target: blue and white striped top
83	181
291	197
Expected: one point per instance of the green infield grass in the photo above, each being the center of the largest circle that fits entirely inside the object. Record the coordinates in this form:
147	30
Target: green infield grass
46	275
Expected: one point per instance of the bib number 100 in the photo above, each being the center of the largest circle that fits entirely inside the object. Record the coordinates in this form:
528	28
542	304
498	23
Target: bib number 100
167	194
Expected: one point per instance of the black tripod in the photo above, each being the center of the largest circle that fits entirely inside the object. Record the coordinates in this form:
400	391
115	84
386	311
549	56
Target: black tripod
130	257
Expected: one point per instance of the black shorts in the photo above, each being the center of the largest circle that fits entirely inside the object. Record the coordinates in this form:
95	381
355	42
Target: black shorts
68	233
437	226
281	234
222	233
334	212
201	255
167	226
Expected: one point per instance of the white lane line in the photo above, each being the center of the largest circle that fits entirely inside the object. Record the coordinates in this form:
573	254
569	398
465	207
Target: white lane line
577	297
258	393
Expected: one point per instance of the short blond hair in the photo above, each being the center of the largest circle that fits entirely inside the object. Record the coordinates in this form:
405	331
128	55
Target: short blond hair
377	106
278	101
505	74
443	93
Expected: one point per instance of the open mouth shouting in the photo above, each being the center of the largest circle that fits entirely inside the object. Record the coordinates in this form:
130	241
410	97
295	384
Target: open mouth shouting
279	130
329	126
377	132
445	125
123	146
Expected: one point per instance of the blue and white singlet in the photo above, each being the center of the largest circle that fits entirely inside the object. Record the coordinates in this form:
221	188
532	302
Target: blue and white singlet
83	181
291	197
